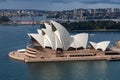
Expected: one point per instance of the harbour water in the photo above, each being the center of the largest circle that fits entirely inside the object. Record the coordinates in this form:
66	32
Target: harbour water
15	37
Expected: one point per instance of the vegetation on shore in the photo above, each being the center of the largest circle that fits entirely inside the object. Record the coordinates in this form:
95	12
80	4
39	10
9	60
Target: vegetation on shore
92	25
4	19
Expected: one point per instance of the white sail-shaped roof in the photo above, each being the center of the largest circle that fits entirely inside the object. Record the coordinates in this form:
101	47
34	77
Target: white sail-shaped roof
63	35
47	42
56	36
38	38
80	40
50	37
48	27
39	31
58	39
93	44
57	43
101	45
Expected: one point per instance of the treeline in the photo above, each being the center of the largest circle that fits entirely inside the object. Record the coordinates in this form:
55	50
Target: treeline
4	19
92	25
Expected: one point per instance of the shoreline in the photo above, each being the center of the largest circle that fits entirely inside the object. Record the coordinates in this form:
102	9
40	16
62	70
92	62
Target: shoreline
101	30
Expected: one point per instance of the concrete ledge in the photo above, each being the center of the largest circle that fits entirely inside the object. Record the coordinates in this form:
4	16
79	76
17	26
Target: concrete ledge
16	55
21	56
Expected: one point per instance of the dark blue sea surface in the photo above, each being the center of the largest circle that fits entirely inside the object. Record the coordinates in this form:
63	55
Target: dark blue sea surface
15	37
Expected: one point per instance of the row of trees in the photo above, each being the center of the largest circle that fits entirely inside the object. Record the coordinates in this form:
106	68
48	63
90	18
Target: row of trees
92	25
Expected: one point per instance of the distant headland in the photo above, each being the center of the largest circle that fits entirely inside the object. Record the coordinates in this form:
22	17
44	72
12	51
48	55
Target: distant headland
92	26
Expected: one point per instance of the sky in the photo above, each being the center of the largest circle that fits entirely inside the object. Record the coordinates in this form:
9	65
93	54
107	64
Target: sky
58	4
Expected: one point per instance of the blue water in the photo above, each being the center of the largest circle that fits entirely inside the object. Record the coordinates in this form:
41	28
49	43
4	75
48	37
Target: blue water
15	37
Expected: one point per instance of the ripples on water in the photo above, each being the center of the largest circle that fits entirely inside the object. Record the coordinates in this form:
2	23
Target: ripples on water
81	70
15	37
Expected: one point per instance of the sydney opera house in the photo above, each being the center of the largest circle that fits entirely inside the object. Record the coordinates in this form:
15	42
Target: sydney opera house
54	43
